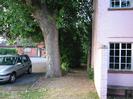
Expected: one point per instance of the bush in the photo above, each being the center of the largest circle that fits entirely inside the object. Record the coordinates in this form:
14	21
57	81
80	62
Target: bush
64	67
70	49
90	72
5	51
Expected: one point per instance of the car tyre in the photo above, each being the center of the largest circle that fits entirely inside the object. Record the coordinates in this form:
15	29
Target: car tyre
29	70
12	78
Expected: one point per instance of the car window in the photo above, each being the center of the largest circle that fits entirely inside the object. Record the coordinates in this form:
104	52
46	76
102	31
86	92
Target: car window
19	60
24	58
7	60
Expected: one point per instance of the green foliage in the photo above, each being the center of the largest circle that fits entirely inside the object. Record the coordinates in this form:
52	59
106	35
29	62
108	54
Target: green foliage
90	72
65	67
69	48
75	32
4	51
16	20
26	42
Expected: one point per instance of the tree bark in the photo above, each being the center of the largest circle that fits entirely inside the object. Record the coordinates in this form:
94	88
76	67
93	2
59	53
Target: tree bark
50	33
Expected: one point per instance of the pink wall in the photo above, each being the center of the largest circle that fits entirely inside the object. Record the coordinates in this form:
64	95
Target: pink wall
33	52
120	79
109	26
114	23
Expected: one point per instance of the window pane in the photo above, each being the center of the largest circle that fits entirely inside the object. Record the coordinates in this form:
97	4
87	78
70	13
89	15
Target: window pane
111	66
128	3
116	52
113	4
128	59
120	58
117	59
123	59
128	66
123	46
129	46
128	52
117	3
116	46
112	46
123	53
123	66
116	66
111	52
111	59
123	3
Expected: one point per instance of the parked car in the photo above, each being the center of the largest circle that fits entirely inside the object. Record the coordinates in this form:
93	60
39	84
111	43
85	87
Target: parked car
12	66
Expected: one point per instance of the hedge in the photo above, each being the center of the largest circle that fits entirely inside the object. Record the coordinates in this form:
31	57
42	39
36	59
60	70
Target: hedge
5	51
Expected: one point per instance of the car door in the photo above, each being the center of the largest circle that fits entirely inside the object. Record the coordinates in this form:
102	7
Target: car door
25	62
19	66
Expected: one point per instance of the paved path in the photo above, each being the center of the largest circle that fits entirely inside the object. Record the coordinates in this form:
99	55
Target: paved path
39	64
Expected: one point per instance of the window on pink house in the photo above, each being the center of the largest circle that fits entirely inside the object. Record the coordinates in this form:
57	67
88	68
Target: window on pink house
121	3
120	56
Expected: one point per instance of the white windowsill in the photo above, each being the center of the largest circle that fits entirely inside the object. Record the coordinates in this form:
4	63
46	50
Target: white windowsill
121	71
110	9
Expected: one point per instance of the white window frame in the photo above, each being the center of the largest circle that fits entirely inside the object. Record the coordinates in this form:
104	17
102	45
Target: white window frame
120	49
120	6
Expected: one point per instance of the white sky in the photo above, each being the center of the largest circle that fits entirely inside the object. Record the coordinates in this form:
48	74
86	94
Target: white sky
2	39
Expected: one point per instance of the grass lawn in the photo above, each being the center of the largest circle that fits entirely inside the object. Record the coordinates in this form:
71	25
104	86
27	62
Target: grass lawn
28	94
42	94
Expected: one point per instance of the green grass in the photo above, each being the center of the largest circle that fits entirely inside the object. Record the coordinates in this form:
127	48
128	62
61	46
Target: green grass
29	94
92	95
4	95
35	94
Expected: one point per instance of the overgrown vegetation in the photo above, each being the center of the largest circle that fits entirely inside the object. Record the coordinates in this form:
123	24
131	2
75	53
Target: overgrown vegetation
75	33
5	51
90	72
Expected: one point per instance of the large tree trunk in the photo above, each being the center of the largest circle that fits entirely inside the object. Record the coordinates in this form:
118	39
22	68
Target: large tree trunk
50	33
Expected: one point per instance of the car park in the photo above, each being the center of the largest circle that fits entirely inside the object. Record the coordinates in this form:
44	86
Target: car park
12	66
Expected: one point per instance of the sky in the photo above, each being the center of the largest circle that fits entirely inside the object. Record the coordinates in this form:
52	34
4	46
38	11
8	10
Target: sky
2	39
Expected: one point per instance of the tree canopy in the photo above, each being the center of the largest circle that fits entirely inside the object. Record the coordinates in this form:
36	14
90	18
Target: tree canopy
16	19
73	20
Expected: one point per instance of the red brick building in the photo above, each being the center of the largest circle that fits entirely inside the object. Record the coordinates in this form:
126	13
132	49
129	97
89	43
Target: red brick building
38	51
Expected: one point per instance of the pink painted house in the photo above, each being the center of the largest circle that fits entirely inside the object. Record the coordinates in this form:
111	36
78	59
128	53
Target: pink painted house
112	55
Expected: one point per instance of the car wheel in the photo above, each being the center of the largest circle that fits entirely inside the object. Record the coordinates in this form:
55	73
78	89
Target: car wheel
12	78
29	70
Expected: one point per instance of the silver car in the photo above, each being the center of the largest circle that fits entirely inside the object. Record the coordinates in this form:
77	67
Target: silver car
11	66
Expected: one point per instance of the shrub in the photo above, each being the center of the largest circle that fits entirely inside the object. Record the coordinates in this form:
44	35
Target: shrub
90	72
4	51
65	62
64	67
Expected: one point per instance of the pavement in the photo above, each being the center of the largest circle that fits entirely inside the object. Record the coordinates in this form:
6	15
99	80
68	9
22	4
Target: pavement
38	64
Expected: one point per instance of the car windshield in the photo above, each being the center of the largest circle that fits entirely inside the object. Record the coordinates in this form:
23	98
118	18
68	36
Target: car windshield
7	60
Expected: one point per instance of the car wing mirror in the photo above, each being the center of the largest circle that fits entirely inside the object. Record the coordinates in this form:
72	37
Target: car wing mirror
18	63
